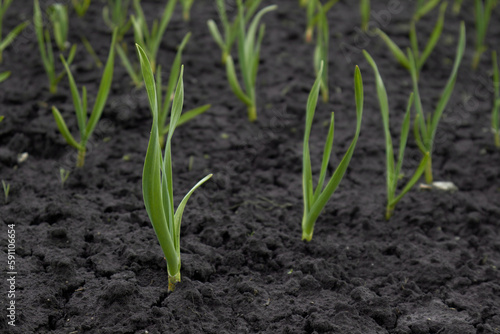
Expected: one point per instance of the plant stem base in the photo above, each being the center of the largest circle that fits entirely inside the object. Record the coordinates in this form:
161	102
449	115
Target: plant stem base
428	172
252	113
389	211
80	160
497	139
173	280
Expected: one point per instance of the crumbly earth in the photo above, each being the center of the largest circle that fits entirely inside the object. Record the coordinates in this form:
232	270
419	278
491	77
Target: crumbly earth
88	260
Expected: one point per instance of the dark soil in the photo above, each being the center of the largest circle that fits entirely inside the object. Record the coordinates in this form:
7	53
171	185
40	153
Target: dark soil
88	260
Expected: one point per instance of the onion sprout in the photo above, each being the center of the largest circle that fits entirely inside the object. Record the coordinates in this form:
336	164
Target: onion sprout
230	29
483	9
90	50
5	42
164	103
58	16
63	176
86	127
420	56
424	7
321	51
425	128
316	199
46	52
81	6
115	15
6	190
365	14
248	57
495	121
393	170
149	40
186	8
457	6
314	11
157	178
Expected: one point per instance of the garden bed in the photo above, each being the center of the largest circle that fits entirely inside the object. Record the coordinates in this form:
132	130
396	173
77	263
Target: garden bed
88	260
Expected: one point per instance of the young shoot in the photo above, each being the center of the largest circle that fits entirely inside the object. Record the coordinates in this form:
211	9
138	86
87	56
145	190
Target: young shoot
5	42
115	15
63	175
165	102
393	166
90	50
157	178
457	6
4	76
424	7
6	190
495	121
1	118
425	127
58	16
149	40
86	127
321	55
365	9
316	199
46	51
315	10
81	6
248	57
230	29
420	56
186	8
482	9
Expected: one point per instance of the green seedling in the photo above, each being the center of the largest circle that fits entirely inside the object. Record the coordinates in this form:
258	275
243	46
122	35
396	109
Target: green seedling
149	40
495	121
115	15
425	127
58	16
46	52
420	57
5	42
248	57
230	29
63	176
321	54
4	76
365	9
482	9
393	169
424	7
457	6
315	10
165	102
157	178
1	118
90	50
316	199
186	8
6	190
81	6
85	126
